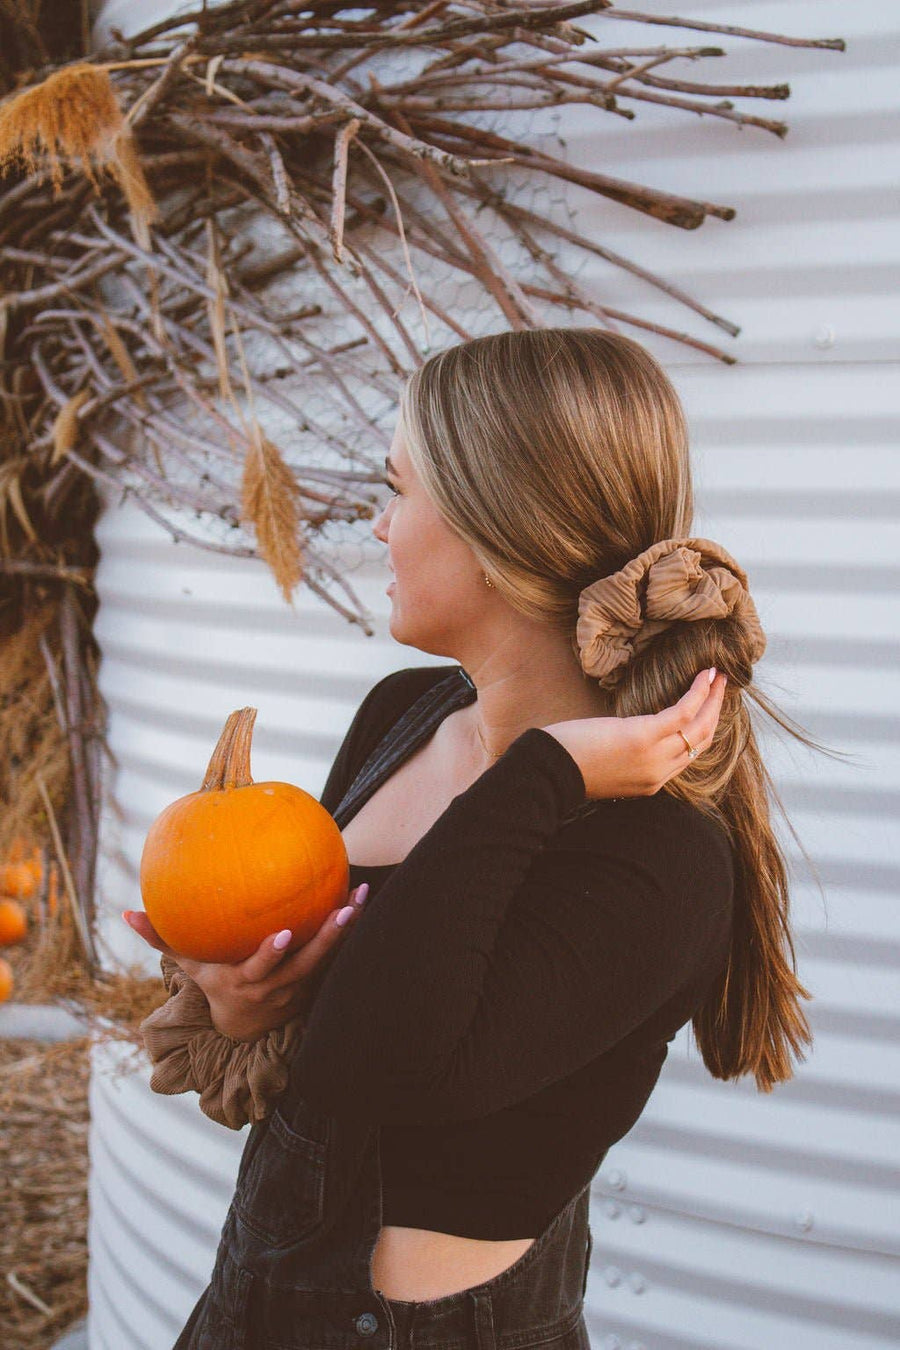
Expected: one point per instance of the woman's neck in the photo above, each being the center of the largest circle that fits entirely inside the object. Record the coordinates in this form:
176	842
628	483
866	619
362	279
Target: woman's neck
503	710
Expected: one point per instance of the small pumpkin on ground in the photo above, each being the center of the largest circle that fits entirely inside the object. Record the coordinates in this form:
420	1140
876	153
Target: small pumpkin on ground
225	867
6	980
13	922
21	877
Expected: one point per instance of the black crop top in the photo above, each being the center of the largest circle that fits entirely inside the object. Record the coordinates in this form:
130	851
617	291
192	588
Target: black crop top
503	1005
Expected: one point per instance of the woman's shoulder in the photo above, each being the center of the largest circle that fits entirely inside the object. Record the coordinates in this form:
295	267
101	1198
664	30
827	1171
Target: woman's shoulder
410	681
384	704
388	699
394	693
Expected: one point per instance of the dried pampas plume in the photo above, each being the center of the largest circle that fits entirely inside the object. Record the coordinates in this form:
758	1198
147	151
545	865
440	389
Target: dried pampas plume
65	426
74	115
270	502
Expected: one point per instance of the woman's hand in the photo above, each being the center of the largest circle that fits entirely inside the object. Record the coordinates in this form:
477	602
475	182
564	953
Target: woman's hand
635	756
268	988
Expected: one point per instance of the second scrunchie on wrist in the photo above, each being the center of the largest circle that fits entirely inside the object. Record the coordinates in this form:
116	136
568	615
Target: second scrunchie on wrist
238	1081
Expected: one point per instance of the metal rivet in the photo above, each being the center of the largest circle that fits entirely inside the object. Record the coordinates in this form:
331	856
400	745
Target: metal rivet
637	1282
804	1220
613	1209
367	1324
616	1179
824	336
636	1214
612	1276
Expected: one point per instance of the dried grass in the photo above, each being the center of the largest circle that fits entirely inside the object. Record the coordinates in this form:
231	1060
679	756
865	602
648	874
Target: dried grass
65	426
270	502
44	1120
32	742
49	967
73	117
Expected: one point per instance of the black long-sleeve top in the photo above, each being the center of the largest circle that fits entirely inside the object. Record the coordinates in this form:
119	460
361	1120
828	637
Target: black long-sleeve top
503	1005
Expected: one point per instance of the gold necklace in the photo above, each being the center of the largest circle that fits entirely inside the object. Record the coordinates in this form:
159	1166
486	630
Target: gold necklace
486	750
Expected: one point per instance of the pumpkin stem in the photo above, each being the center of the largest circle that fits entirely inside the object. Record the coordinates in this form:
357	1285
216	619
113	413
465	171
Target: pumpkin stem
230	762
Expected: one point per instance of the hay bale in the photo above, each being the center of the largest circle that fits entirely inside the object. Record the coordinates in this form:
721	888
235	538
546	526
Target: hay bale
44	1120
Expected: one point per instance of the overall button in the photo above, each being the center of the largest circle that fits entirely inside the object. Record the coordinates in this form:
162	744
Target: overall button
367	1324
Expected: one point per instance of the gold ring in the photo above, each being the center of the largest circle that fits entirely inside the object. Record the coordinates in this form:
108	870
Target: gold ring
692	753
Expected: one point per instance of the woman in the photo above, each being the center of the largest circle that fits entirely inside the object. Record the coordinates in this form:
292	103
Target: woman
567	842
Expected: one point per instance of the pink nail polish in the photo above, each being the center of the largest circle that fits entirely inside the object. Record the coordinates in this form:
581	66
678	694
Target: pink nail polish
344	916
282	940
712	674
361	894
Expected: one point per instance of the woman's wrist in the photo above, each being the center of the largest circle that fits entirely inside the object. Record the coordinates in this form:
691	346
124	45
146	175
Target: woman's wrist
604	772
248	1030
227	1026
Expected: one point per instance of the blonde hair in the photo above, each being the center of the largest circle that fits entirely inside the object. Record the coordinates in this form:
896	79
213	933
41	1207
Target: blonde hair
559	454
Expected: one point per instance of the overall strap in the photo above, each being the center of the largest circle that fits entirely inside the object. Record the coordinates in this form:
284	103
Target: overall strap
399	742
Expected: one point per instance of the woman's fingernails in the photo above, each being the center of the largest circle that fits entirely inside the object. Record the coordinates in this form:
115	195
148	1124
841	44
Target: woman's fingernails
712	674
126	915
361	893
282	939
344	916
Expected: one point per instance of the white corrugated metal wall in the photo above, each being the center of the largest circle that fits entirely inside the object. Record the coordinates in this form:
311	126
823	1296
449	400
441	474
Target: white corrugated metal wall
727	1219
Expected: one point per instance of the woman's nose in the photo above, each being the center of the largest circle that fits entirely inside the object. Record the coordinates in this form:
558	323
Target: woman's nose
378	527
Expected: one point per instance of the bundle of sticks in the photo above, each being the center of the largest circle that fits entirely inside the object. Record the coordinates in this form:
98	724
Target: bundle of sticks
224	240
169	183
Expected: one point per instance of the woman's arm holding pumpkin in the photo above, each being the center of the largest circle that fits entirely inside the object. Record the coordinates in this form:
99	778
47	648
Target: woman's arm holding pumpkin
270	987
237	1077
262	1006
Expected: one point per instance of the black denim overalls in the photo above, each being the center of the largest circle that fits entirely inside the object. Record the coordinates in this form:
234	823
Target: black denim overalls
292	1270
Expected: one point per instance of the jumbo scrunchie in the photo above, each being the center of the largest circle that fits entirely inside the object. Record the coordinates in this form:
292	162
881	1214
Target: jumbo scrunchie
238	1081
670	580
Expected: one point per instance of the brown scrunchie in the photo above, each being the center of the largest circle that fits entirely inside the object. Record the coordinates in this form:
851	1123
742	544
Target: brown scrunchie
237	1080
612	628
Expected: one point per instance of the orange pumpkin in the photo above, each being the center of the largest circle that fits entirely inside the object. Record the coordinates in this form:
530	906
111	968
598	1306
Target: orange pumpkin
227	866
13	922
20	877
6	980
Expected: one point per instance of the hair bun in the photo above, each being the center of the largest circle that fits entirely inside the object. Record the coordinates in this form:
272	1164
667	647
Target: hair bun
671	580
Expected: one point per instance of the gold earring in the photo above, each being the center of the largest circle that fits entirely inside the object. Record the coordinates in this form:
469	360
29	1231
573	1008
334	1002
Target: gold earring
488	580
